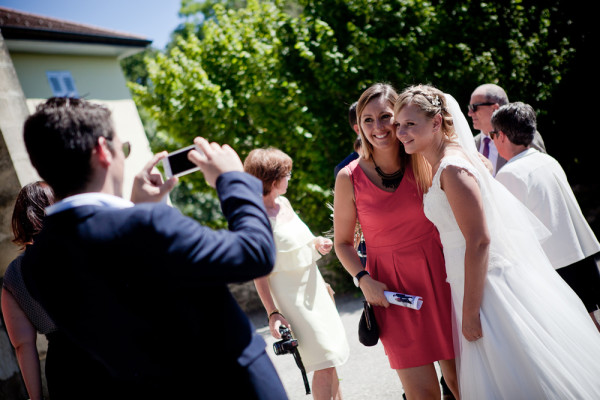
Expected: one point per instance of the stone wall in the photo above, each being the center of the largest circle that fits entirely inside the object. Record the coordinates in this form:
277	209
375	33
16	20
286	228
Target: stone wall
15	168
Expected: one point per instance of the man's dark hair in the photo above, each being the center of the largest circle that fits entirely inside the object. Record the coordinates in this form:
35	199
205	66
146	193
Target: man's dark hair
517	121
352	115
60	137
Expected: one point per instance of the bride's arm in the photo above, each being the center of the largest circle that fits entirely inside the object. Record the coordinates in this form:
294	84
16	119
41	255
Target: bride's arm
344	223
464	197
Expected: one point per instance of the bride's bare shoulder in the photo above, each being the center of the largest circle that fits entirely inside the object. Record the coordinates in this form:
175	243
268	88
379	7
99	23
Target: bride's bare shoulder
455	151
456	170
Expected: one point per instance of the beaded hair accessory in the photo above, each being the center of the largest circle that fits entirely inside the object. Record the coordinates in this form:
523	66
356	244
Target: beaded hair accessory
435	100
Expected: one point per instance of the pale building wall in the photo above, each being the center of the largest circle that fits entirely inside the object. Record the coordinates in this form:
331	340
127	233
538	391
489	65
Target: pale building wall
98	79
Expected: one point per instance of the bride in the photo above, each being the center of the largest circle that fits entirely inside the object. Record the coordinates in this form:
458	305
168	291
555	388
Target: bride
520	331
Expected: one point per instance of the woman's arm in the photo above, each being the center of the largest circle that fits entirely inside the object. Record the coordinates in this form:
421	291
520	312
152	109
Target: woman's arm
464	197
344	223
275	318
23	337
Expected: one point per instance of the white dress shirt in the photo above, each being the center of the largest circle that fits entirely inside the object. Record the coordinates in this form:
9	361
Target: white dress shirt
540	183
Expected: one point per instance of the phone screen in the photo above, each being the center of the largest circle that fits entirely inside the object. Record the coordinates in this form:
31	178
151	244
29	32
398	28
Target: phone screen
180	163
177	163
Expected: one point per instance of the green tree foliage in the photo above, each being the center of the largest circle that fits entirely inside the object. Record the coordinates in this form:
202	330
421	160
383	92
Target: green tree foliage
259	75
230	87
134	67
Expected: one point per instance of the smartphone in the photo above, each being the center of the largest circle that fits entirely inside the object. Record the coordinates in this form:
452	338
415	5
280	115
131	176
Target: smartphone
177	163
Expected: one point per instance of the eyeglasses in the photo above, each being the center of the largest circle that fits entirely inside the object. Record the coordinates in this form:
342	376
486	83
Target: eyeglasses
494	134
126	149
289	175
473	107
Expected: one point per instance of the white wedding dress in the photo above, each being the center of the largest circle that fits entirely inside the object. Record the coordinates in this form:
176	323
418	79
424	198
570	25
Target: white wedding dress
538	339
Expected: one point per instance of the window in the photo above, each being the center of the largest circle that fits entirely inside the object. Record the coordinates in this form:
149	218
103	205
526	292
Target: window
62	84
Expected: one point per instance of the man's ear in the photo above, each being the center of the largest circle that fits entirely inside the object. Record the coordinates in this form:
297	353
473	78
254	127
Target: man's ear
502	136
103	153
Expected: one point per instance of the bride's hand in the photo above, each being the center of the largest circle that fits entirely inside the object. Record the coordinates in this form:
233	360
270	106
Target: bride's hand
373	291
471	327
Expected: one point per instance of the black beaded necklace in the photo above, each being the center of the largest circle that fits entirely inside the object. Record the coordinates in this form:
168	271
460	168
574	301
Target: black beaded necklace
389	180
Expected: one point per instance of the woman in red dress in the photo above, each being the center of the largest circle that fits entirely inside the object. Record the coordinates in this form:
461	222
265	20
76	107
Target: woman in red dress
404	252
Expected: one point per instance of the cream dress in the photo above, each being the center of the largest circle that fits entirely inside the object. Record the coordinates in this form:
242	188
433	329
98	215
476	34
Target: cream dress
301	295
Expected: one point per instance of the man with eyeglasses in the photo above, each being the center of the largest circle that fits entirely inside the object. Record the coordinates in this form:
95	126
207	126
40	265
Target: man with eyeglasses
486	99
137	290
539	182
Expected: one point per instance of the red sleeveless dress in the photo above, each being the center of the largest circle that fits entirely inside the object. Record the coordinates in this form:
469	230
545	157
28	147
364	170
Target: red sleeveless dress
404	252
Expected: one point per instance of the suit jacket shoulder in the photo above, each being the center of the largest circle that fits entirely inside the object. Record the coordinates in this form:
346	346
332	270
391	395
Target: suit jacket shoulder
478	139
126	285
538	142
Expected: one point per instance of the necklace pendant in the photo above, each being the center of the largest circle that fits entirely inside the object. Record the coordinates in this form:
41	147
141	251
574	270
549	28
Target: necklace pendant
391	183
389	180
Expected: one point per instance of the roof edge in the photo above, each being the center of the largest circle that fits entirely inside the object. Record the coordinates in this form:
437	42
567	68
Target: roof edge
11	32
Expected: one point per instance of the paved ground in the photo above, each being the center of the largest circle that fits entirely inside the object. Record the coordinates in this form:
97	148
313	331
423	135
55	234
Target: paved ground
366	374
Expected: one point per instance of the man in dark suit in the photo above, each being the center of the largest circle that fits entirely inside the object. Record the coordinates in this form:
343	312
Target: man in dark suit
486	99
357	143
139	292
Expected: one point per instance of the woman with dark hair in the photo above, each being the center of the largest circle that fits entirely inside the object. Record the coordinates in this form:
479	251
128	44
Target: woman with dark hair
24	317
383	189
296	288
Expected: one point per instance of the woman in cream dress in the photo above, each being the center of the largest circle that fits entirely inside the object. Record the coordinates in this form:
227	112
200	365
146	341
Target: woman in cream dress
295	294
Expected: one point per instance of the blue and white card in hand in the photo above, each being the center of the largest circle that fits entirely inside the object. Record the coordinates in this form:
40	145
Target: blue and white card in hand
404	300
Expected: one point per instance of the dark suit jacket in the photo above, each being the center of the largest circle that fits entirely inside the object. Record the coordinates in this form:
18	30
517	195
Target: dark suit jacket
349	158
143	291
537	143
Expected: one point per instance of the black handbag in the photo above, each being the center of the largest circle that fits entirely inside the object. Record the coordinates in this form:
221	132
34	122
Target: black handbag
368	331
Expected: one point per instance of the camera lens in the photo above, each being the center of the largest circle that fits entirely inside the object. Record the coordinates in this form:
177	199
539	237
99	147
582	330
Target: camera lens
285	346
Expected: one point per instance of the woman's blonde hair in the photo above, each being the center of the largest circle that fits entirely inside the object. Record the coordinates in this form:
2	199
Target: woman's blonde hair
431	101
269	165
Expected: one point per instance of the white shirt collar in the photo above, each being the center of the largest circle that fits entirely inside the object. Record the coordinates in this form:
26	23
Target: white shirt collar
89	199
522	154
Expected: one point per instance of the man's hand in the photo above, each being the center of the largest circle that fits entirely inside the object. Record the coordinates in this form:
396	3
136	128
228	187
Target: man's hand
486	162
148	185
214	160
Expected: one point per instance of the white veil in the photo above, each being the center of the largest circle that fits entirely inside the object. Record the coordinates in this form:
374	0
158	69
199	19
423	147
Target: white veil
531	317
514	229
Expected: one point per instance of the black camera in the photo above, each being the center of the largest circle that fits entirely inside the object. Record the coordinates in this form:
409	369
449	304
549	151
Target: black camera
289	345
286	345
